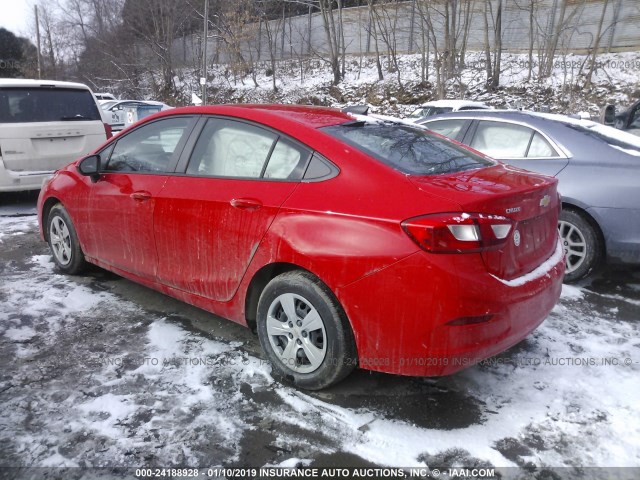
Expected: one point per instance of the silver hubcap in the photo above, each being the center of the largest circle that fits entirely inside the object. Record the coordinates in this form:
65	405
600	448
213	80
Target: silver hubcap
296	333
575	246
60	239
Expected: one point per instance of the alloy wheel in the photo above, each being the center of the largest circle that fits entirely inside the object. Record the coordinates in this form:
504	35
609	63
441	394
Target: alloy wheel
575	245
60	240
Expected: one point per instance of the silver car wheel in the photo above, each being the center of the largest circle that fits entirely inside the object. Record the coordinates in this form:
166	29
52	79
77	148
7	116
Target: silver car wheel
296	333
575	245
60	240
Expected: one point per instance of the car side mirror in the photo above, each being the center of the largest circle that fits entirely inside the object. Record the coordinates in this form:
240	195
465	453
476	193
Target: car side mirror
90	167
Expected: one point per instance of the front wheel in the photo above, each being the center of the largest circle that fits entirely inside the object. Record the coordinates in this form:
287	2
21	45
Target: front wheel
582	245
63	241
304	332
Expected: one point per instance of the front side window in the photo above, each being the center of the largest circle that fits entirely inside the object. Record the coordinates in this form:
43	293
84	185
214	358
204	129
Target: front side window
229	148
150	148
50	104
411	150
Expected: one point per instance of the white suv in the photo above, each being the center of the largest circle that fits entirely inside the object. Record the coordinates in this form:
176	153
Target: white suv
43	126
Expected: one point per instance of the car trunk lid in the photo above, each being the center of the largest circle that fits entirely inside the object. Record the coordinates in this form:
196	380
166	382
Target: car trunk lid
47	146
529	200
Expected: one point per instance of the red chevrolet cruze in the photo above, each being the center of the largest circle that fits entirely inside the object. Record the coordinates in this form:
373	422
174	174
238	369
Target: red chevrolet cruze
343	240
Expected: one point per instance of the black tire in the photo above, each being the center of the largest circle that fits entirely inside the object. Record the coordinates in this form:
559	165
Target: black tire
582	244
306	294
63	241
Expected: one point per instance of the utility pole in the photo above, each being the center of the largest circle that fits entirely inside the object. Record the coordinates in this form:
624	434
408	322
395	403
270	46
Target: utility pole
203	79
38	41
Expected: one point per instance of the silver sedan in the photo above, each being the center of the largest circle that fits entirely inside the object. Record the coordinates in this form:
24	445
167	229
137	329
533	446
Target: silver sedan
598	168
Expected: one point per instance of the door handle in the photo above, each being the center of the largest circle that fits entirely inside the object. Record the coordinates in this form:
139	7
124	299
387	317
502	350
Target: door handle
140	196
246	203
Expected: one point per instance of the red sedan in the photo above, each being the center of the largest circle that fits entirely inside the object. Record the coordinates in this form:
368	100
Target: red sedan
344	241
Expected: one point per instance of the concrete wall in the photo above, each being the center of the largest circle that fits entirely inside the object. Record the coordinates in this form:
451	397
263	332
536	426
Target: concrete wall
305	35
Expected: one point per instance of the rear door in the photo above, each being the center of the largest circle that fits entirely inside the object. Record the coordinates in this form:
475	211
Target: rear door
122	202
44	128
518	145
209	221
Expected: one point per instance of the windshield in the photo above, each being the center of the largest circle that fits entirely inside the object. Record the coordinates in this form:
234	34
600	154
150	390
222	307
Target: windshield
108	104
429	111
28	105
411	150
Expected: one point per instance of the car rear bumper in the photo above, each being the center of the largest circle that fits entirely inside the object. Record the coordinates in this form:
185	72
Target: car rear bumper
11	181
408	331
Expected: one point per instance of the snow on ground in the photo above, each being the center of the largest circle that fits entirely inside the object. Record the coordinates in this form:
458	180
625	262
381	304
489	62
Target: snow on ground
91	378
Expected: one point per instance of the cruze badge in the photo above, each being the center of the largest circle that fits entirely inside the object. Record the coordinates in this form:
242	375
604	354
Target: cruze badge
513	209
516	238
545	201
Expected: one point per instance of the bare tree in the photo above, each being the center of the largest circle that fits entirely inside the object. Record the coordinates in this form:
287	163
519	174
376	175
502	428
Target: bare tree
492	42
157	23
333	38
596	46
386	18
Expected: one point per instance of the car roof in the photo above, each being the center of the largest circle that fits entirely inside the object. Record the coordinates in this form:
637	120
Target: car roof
302	115
21	82
514	115
454	104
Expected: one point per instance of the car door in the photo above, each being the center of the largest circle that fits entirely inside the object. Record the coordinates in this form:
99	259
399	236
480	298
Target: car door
518	145
121	202
210	220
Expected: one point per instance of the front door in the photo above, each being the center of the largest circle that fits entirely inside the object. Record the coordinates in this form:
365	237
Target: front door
122	202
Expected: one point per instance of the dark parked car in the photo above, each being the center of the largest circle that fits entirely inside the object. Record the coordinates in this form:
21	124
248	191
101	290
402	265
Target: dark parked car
629	119
598	168
343	242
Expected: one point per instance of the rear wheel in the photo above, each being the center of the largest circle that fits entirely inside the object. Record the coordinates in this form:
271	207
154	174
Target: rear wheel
63	241
304	332
582	245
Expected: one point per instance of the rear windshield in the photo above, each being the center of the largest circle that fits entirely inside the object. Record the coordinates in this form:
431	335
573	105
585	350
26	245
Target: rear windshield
28	105
624	141
409	149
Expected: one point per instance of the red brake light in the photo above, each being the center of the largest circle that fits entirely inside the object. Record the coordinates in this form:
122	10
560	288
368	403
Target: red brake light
108	130
458	232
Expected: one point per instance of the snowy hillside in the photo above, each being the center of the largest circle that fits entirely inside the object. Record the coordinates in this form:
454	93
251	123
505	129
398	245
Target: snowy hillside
616	80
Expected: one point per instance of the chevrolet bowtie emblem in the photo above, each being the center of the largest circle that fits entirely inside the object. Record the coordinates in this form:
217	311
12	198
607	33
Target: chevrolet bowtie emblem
545	201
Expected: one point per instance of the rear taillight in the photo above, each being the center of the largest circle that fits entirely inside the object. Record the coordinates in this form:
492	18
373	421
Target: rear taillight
458	232
108	130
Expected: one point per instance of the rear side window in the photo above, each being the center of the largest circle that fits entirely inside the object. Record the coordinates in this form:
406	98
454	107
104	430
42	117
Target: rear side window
408	149
30	105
